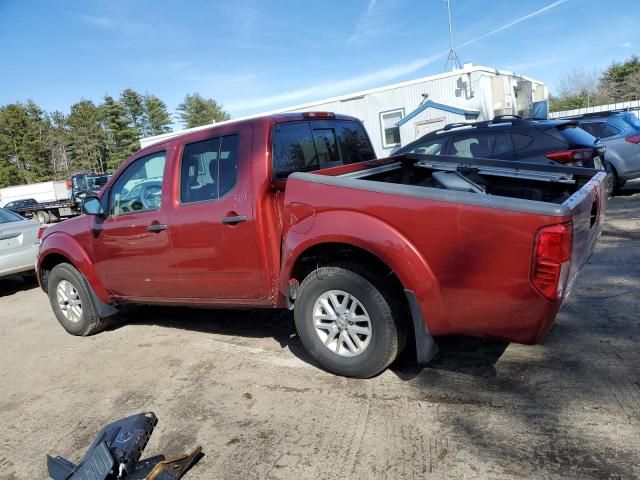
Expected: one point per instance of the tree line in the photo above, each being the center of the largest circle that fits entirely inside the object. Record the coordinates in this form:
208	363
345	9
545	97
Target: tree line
579	88
36	145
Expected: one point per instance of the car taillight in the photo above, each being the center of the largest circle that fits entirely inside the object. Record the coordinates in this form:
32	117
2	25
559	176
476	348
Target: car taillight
69	185
40	233
571	156
551	259
633	139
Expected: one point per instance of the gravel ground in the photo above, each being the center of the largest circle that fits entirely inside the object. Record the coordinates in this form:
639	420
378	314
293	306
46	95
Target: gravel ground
240	384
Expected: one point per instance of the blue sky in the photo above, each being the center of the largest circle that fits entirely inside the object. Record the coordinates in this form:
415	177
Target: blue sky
255	55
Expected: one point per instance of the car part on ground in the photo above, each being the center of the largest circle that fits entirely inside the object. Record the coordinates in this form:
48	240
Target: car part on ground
115	455
509	137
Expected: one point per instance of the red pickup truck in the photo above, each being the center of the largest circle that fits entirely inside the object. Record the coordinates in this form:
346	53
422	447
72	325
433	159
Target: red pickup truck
294	211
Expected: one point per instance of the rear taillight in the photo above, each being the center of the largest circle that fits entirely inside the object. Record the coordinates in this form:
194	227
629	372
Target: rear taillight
40	233
571	156
551	259
69	185
633	139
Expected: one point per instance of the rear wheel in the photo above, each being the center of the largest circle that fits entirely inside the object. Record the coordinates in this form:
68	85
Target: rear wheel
616	182
347	321
42	216
71	301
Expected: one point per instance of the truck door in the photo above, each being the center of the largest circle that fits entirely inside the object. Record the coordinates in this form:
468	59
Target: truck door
131	244
213	221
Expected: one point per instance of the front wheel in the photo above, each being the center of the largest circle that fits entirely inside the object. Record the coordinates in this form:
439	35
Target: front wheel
347	322
71	301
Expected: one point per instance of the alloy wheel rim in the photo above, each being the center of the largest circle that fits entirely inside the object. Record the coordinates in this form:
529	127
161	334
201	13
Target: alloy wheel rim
342	323
69	301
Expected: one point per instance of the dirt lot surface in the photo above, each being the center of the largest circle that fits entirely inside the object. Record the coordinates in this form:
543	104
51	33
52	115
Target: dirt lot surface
240	384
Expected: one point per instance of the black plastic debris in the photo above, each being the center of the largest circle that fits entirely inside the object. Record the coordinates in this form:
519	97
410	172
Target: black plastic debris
115	455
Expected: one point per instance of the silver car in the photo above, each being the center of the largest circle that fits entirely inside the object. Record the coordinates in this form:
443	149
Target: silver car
18	243
620	133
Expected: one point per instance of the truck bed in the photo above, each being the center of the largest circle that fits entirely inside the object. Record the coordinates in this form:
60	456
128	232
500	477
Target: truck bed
474	224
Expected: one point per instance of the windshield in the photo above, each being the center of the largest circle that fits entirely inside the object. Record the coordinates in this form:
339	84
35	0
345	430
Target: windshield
7	216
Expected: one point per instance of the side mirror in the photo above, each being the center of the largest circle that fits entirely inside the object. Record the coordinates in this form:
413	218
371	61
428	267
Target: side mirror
92	206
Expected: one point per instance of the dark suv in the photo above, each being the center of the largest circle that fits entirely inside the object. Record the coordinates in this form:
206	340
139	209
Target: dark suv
510	137
619	131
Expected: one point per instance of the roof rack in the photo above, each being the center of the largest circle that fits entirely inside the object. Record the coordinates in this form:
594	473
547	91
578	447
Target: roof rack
600	113
514	119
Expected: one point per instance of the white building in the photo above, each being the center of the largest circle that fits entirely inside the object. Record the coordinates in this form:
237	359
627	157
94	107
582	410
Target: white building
397	114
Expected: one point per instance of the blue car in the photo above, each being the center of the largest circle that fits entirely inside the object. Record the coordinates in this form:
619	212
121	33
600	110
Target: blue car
620	133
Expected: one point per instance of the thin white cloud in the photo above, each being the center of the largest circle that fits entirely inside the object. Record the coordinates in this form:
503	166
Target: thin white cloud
626	45
366	25
376	77
514	22
96	20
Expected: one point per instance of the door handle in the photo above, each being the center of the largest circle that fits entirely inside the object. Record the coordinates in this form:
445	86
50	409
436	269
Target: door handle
156	227
234	219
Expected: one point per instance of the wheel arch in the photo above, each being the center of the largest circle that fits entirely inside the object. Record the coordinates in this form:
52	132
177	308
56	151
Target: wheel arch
384	247
59	248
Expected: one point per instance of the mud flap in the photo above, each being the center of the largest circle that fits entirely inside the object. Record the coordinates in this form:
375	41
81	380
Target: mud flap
426	348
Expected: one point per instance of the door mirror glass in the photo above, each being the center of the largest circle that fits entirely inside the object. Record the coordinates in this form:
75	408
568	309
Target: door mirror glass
92	206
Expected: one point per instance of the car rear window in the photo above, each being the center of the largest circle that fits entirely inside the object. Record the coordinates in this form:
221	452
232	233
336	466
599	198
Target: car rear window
600	129
572	135
307	146
7	216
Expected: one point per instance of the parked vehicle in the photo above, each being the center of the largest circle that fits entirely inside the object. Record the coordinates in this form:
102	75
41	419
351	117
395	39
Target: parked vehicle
292	210
21	204
66	202
18	243
40	192
509	137
620	133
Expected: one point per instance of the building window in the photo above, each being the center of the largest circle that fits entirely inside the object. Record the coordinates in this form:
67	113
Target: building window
390	129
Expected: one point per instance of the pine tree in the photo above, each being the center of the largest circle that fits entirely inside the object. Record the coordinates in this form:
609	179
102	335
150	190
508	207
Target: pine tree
196	111
24	152
133	104
121	138
86	137
157	116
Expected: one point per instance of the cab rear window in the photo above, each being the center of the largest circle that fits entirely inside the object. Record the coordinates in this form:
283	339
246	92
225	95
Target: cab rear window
308	146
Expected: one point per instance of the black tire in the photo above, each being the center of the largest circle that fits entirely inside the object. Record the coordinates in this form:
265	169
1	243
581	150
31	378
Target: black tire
616	182
42	216
89	322
388	333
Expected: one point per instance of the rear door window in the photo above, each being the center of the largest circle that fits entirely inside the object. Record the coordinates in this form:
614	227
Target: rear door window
477	145
573	135
503	147
600	129
430	147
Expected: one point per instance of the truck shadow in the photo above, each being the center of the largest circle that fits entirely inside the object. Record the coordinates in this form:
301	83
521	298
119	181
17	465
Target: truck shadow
16	283
466	355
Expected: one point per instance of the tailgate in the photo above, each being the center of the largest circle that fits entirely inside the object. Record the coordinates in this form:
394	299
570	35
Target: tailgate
587	207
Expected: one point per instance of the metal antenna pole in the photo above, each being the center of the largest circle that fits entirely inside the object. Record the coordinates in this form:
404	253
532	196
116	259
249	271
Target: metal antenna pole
453	57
